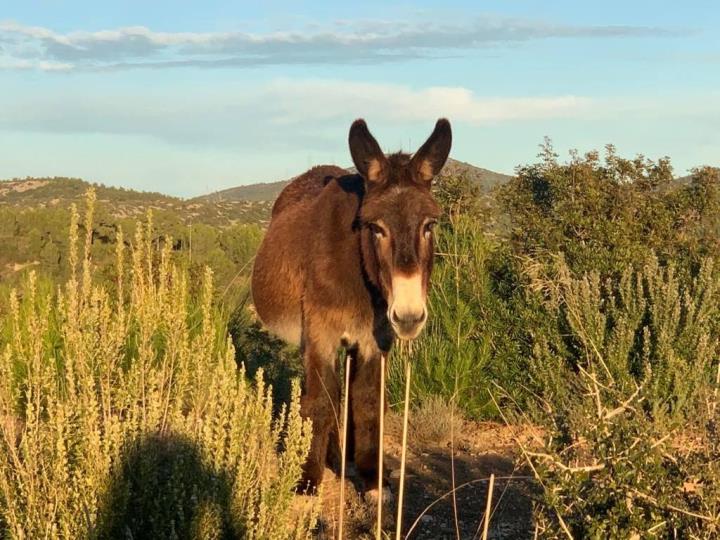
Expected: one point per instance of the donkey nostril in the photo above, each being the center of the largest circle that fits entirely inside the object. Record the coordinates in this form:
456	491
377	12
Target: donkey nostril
395	317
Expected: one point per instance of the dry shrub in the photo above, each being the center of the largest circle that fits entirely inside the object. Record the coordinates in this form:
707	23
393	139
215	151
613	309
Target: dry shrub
433	422
124	414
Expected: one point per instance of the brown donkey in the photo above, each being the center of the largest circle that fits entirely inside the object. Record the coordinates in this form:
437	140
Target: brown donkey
346	262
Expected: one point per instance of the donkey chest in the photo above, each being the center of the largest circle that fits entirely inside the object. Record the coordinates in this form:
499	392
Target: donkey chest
346	321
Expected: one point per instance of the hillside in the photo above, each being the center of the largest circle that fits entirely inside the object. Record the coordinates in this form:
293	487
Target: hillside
485	178
35	215
37	193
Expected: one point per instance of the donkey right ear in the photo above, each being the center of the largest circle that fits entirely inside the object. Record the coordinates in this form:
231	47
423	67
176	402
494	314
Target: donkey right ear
366	153
430	159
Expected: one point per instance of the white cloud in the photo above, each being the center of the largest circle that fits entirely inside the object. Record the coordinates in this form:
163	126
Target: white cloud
296	101
41	65
269	114
343	43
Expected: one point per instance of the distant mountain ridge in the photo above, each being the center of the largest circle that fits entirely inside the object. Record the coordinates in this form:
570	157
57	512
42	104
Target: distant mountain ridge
59	192
268	191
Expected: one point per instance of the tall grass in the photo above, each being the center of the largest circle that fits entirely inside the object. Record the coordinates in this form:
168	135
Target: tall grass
123	414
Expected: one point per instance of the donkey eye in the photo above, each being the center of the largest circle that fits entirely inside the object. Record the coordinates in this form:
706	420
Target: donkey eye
377	230
428	228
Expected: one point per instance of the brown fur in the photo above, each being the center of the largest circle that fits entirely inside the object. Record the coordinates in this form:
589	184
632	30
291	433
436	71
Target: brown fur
323	278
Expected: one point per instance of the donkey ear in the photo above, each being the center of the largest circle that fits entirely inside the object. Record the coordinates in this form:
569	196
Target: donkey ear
430	158
366	153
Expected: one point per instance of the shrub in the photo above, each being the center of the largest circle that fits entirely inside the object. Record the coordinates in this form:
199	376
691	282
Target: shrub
125	415
433	422
606	215
629	404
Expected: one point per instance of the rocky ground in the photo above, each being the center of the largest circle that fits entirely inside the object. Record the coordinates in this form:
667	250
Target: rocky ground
480	449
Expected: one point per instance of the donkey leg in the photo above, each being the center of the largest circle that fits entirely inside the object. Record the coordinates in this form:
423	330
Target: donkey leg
365	401
334	451
319	403
350	452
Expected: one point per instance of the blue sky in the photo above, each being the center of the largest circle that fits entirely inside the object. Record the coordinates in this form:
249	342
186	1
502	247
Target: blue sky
189	97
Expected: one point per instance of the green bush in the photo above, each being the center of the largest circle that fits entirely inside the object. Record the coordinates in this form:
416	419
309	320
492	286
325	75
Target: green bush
629	404
606	215
124	414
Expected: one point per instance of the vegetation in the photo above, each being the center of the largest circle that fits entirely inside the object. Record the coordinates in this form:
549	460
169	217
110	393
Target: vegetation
630	408
582	297
33	229
124	413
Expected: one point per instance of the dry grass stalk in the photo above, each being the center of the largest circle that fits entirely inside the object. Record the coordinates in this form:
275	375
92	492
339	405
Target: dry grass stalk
378	528
452	471
530	463
512	478
406	412
488	506
344	447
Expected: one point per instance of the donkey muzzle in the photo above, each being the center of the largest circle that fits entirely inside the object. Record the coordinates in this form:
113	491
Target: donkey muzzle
407	312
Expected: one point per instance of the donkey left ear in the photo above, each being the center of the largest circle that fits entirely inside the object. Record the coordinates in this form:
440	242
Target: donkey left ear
369	159
428	161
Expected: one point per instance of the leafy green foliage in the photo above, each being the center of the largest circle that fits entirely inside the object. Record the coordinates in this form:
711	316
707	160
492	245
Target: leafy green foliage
604	216
615	289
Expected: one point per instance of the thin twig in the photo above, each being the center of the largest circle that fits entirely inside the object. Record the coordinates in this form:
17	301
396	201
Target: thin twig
625	405
378	529
398	526
567	468
330	399
715	391
497	504
344	447
452	466
561	521
654	502
488	507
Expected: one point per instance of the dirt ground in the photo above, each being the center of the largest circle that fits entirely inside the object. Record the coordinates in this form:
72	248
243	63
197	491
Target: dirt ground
481	449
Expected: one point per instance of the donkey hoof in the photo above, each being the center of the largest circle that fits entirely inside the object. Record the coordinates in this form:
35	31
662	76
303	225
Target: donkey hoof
371	495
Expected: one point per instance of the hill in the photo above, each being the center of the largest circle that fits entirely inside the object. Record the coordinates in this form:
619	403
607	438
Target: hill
121	203
485	178
35	216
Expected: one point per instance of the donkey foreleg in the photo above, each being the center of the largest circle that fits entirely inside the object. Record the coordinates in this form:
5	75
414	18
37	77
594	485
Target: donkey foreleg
319	403
365	402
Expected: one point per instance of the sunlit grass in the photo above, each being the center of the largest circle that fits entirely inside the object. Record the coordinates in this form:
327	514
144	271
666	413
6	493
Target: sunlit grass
123	412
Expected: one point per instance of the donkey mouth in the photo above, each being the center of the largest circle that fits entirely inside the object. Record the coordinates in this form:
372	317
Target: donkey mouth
407	334
407	328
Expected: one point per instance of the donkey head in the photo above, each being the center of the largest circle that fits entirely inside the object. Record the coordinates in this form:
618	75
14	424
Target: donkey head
397	217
